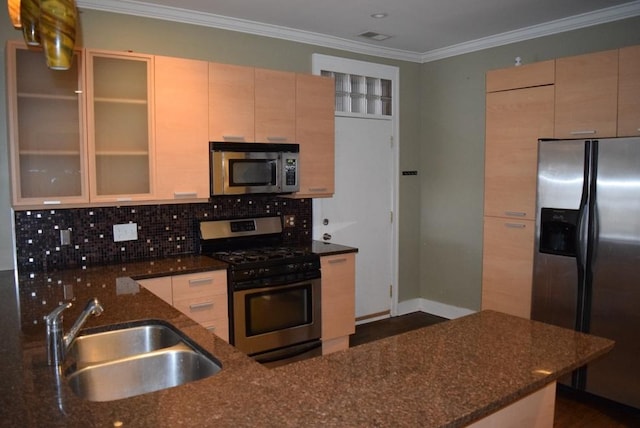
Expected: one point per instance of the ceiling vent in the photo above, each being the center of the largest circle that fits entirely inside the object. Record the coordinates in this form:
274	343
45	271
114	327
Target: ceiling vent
374	36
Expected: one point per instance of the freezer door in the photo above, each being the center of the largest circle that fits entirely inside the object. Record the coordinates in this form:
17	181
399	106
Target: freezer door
555	275
615	303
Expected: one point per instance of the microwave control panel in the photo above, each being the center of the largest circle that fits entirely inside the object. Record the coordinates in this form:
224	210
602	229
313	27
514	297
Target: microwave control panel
290	166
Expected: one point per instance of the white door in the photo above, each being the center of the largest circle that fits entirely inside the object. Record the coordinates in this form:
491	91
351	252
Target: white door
359	214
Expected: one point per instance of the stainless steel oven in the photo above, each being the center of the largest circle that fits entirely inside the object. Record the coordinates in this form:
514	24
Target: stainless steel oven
278	323
274	291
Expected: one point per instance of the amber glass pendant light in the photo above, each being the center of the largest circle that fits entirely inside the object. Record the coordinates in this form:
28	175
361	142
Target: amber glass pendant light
58	32
14	12
29	17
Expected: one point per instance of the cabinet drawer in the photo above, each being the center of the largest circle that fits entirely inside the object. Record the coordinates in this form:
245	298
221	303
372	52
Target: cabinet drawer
203	309
219	327
199	284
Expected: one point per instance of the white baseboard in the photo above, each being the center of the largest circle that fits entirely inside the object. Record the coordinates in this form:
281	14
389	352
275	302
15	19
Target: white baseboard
432	307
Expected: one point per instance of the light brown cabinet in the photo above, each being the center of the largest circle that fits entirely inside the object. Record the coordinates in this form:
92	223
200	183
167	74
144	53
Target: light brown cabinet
181	117
201	296
587	95
338	301
515	119
507	265
629	92
120	126
46	121
315	132
275	106
231	103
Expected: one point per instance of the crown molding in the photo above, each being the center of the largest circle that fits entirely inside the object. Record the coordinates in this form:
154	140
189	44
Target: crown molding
602	16
167	13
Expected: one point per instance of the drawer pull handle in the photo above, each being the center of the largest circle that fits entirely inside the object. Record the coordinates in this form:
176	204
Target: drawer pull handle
202	305
200	281
179	195
515	225
515	213
583	132
342	260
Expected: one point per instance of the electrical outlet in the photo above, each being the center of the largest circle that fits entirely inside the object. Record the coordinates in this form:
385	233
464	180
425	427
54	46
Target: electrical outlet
289	221
65	236
125	232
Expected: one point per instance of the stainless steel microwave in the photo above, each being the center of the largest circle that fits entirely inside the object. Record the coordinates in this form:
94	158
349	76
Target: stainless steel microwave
243	168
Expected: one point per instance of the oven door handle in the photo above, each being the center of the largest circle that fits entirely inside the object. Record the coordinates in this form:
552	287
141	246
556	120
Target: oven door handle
286	353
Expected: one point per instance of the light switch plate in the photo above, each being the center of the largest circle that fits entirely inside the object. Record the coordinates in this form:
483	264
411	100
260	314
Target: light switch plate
125	232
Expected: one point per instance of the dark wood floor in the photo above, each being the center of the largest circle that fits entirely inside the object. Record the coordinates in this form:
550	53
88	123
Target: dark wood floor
574	409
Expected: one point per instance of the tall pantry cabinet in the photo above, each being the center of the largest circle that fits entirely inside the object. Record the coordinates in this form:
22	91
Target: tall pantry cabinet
519	109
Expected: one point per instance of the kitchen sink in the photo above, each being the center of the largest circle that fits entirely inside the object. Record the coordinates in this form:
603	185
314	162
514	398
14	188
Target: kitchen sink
134	359
122	342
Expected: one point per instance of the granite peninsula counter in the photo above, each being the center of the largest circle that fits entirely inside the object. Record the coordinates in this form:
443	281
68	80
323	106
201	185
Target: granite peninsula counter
447	375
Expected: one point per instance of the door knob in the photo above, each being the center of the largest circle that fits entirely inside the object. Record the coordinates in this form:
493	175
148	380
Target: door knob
326	236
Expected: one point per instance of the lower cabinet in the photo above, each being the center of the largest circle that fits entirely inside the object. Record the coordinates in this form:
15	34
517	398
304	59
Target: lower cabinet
507	265
338	301
201	296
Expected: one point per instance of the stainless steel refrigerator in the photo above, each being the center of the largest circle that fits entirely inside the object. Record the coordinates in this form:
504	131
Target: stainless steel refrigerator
587	255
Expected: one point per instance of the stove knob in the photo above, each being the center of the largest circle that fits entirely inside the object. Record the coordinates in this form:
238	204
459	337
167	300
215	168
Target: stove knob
251	272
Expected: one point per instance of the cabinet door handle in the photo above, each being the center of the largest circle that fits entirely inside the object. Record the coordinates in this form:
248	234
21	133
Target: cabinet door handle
51	202
201	305
123	199
515	213
583	132
200	281
515	225
179	195
276	138
317	189
233	137
334	261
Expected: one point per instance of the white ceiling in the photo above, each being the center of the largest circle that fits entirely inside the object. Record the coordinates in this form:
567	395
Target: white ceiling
420	30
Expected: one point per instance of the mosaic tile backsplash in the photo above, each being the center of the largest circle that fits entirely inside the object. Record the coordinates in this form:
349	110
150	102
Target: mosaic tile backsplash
163	230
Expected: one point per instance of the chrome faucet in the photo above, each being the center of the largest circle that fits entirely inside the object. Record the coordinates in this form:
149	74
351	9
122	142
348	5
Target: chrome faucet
58	343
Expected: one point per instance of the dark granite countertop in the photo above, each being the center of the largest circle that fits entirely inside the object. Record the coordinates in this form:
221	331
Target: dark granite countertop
446	375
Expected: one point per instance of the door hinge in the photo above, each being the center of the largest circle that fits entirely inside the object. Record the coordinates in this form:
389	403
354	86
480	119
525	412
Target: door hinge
391	141
390	216
390	291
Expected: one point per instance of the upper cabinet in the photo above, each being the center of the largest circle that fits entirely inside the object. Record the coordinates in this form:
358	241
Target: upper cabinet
515	119
120	131
275	106
525	76
315	133
231	103
587	95
181	117
46	129
629	92
122	126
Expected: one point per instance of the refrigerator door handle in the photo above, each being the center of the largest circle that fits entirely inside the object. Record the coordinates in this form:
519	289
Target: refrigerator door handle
583	214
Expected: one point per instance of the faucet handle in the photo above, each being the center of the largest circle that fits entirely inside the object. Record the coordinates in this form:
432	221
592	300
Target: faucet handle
55	315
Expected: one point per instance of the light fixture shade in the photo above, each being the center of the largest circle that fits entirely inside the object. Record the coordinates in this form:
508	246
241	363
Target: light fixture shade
14	12
29	17
58	20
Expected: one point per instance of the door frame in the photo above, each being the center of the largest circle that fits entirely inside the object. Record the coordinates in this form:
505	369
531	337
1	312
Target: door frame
345	65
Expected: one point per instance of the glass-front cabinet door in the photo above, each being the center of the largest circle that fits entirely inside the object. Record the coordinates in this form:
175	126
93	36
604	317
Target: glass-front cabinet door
46	129
121	117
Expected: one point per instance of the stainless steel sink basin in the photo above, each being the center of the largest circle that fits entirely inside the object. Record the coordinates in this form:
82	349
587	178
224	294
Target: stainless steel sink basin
122	342
134	359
